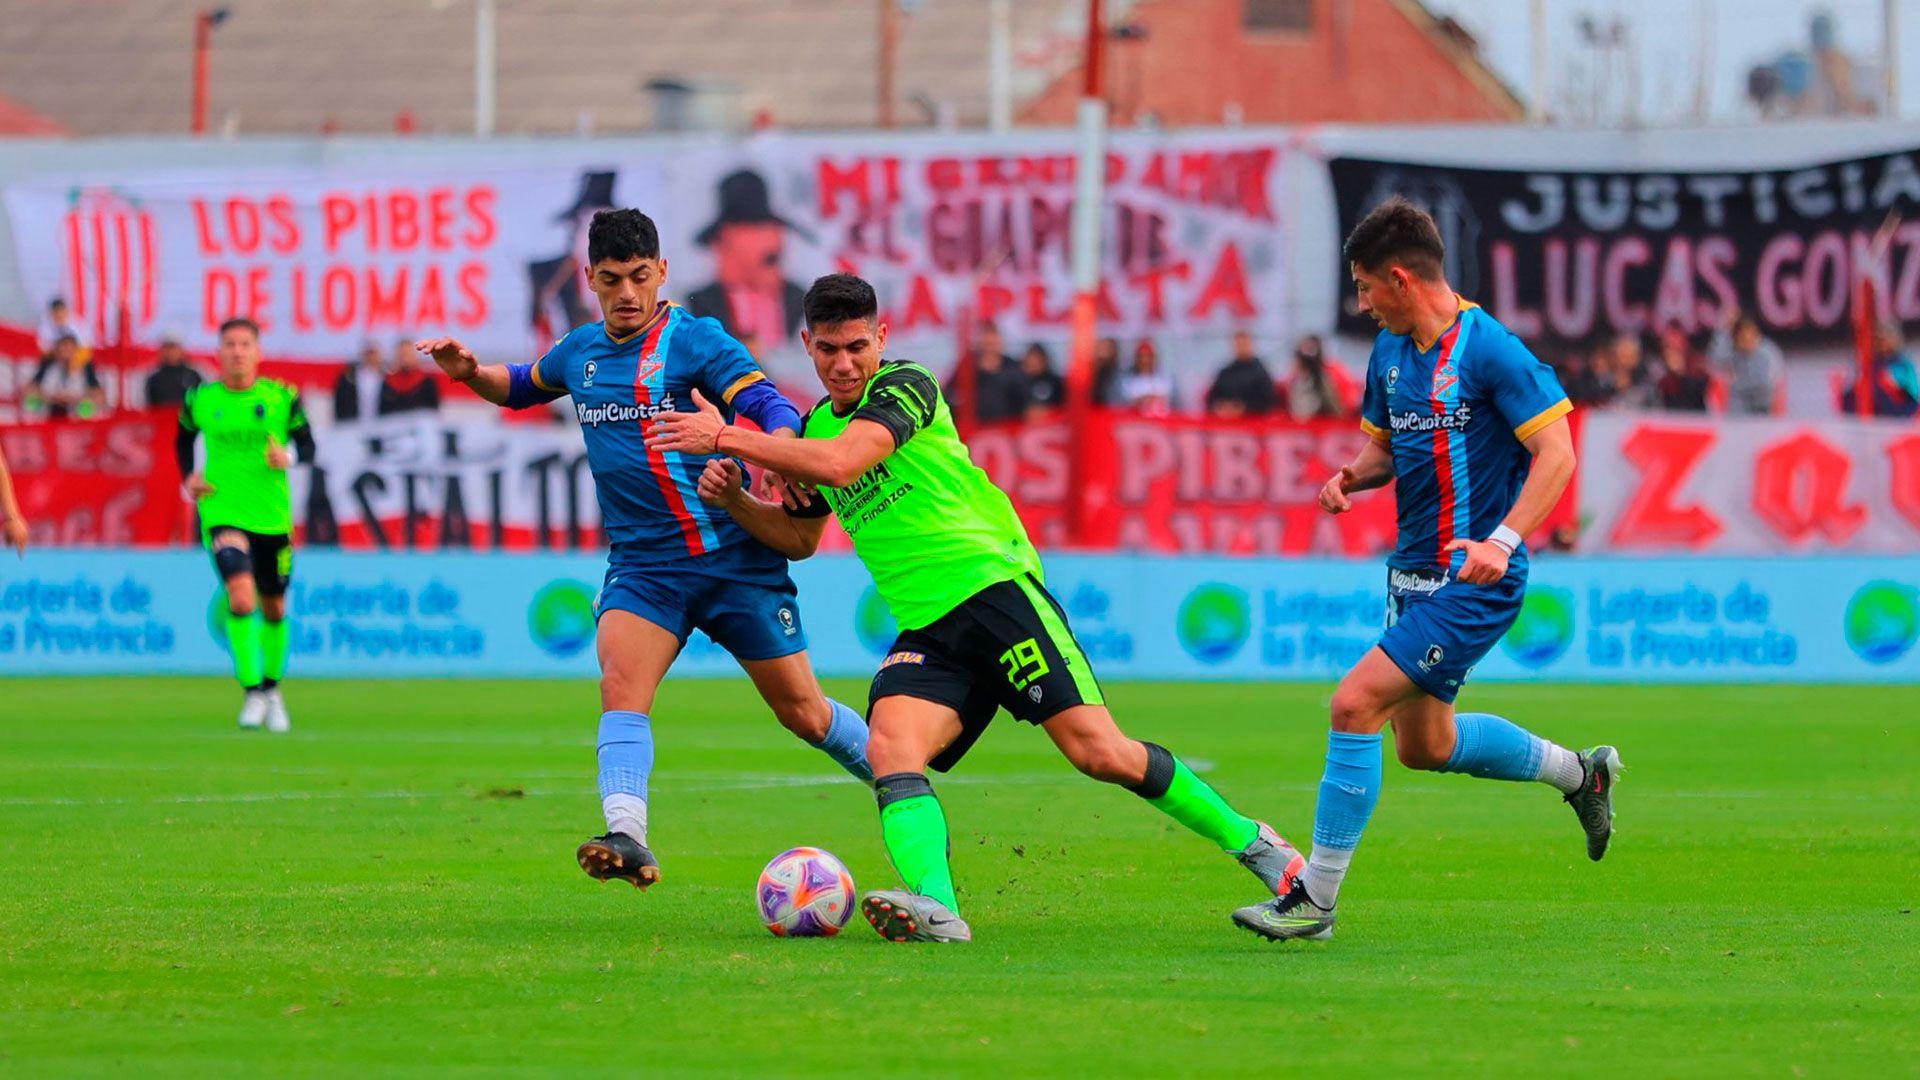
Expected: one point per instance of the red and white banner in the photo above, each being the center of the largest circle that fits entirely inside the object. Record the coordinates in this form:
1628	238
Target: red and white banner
107	482
978	227
1657	482
322	260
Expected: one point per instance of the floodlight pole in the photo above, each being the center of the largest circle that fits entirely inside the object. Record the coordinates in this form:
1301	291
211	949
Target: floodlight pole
1000	66
203	23
485	67
1090	183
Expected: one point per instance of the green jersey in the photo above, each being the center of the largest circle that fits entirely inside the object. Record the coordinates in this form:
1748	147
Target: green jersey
927	522
248	493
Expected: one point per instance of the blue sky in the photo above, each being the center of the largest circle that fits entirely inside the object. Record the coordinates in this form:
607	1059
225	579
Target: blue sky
1668	35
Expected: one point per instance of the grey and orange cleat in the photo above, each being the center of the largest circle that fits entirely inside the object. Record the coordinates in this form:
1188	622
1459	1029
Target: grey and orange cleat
1274	861
1594	801
900	915
619	857
1291	917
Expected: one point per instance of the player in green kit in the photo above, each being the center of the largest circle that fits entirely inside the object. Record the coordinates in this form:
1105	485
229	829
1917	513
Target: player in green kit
246	513
979	631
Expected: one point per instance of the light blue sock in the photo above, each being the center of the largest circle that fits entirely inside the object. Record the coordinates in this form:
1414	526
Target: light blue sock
626	763
846	742
626	753
1348	791
1495	748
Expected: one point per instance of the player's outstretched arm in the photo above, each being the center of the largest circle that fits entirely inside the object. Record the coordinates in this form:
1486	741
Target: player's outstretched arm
834	462
795	537
1553	462
1371	469
494	382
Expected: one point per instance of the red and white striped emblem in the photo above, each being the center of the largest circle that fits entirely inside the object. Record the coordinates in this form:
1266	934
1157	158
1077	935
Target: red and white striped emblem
112	264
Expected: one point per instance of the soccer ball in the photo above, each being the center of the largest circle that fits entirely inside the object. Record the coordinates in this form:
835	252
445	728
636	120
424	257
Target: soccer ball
805	892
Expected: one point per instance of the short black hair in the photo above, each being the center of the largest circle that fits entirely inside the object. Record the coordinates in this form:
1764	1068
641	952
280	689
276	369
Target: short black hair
240	322
838	298
621	235
56	302
1397	231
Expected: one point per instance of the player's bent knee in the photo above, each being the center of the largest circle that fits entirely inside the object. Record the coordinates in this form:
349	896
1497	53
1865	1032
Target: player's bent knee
1354	709
888	752
807	717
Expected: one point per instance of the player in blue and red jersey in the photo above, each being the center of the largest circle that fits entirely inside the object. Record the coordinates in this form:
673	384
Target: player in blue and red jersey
1474	430
676	564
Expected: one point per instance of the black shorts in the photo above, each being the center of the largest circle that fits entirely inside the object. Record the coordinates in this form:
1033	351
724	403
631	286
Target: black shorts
1006	646
269	556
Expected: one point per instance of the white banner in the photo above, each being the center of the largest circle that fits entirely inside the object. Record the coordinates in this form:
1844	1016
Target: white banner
948	227
977	227
1661	482
323	260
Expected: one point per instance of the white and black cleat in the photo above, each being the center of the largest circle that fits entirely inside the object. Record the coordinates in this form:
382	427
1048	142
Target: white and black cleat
899	915
253	711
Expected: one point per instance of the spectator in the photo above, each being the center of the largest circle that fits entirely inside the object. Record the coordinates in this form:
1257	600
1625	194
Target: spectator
999	388
1751	364
1683	379
356	393
1317	389
1244	386
1621	368
1107	374
65	385
58	321
1146	389
167	384
1577	379
1893	387
408	387
1046	391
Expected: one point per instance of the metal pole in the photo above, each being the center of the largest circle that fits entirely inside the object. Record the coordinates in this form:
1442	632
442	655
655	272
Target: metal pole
202	48
1537	107
1000	66
1090	182
1890	54
485	67
889	45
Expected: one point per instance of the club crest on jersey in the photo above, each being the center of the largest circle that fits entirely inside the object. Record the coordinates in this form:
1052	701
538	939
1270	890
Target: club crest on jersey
650	366
1446	380
1393	379
588	373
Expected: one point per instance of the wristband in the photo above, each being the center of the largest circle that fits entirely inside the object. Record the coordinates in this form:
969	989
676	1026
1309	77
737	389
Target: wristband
718	435
1506	538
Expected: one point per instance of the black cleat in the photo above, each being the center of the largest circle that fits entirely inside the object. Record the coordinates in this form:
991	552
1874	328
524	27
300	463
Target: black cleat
1594	801
619	857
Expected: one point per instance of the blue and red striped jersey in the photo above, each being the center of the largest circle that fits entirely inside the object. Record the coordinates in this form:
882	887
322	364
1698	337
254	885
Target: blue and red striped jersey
649	506
1455	415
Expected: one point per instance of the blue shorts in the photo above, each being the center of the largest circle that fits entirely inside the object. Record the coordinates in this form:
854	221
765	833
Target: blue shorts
1438	628
740	596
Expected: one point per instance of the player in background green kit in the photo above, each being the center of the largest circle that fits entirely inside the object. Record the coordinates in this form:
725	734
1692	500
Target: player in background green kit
246	511
979	630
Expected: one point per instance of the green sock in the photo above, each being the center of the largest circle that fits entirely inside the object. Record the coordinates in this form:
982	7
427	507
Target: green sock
1188	800
243	639
915	830
273	648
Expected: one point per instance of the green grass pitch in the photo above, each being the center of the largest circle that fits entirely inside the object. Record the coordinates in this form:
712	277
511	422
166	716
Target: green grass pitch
391	890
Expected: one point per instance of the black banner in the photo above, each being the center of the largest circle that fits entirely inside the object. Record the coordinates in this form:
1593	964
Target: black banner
1566	257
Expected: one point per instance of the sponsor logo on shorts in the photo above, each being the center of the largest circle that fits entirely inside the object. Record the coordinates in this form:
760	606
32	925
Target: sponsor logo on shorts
1435	654
1408	581
904	658
787	624
1034	693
